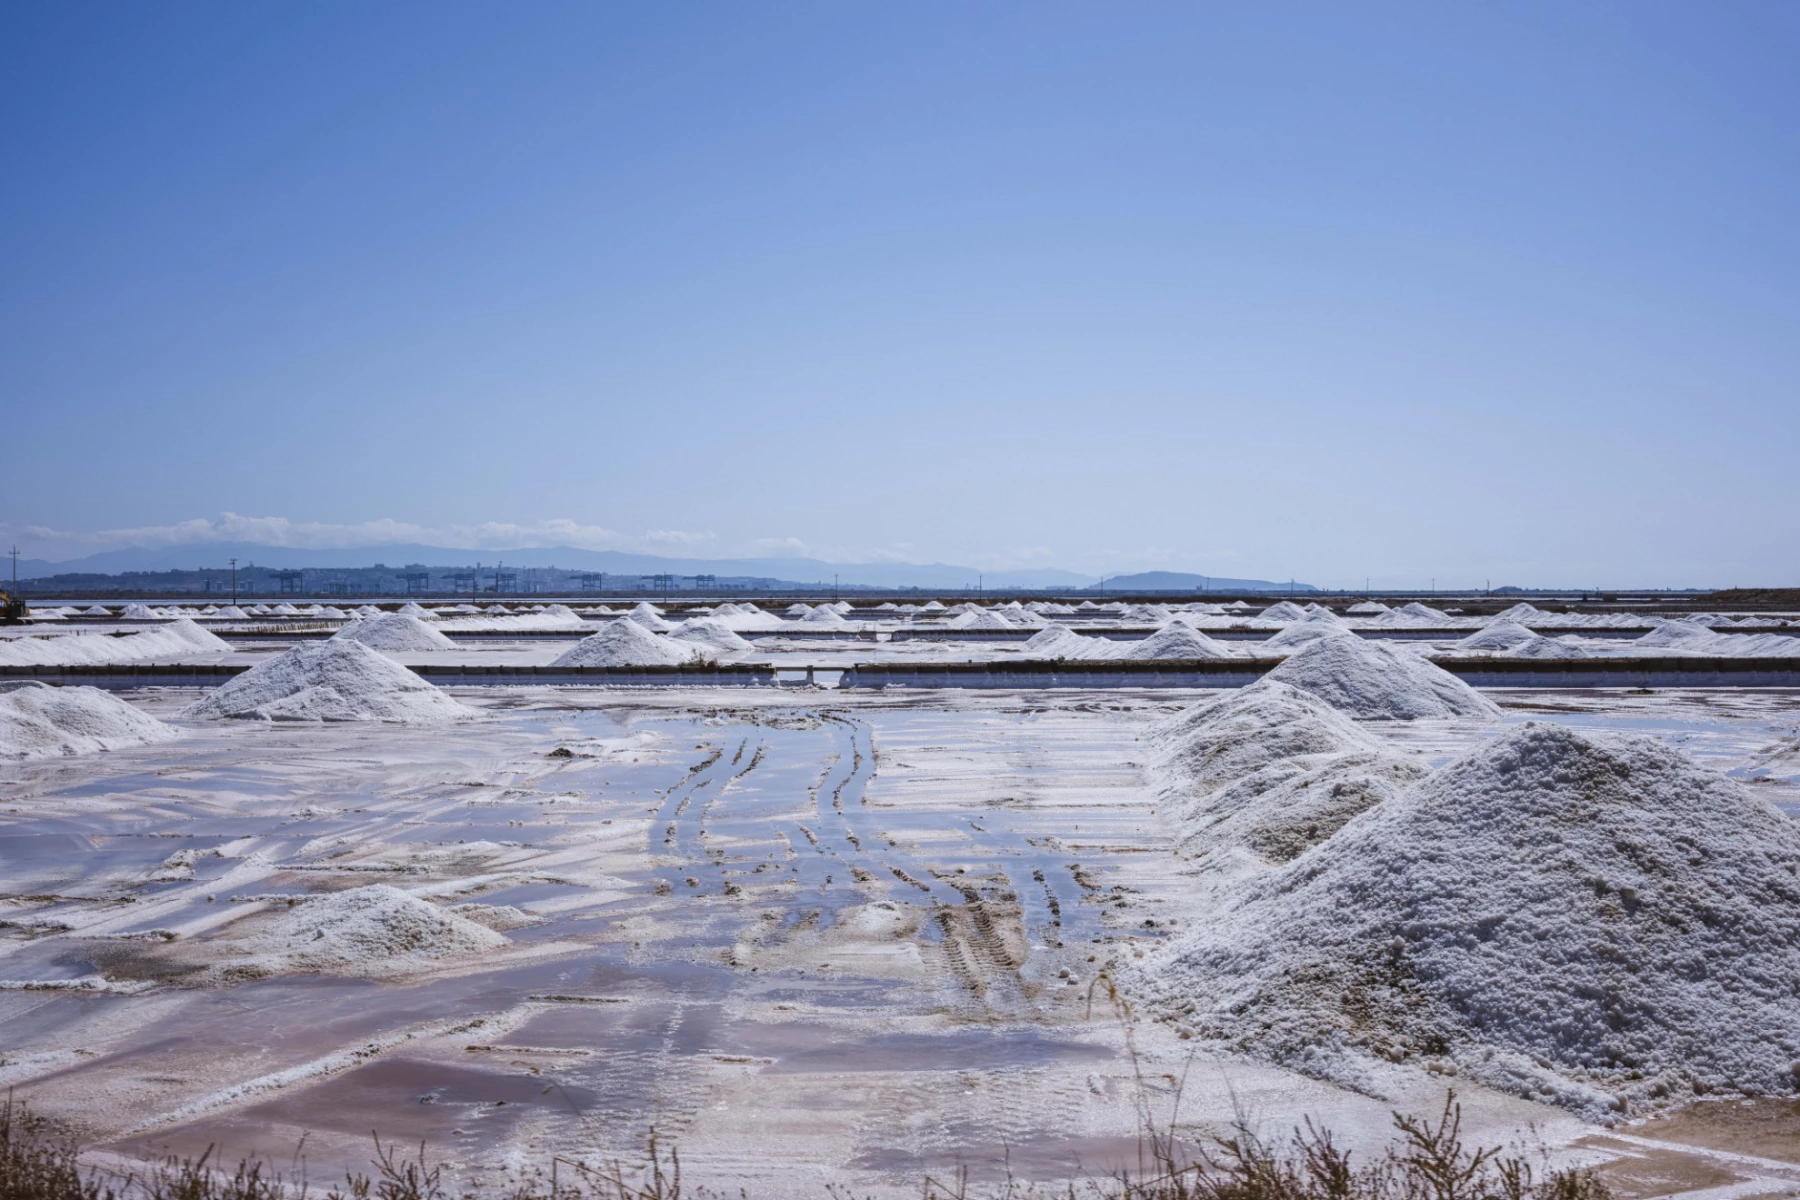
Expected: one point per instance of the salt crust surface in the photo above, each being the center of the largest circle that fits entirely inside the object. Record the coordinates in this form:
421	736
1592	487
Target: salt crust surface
39	721
1591	921
1376	680
375	929
626	643
1175	640
394	631
1258	775
330	681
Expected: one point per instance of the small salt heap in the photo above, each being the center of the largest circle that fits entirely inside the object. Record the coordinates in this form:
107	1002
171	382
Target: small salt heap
650	617
626	643
376	929
394	631
1176	640
1499	636
1056	642
711	633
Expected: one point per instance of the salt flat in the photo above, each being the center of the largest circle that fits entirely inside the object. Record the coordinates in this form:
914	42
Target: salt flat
846	937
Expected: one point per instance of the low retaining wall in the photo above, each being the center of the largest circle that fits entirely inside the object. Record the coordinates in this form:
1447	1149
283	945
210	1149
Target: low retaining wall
118	677
1237	672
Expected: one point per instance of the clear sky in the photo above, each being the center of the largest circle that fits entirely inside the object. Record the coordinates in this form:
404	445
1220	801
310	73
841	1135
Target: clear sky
1453	291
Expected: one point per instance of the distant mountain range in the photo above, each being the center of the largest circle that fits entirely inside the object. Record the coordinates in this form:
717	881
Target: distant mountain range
802	571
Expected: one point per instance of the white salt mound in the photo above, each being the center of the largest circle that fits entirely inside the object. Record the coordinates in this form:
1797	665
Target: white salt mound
1367	608
1282	610
648	616
1260	774
377	927
1421	612
333	680
1060	642
1594	922
1521	614
203	640
1175	640
626	643
980	618
415	610
1552	648
394	631
827	616
1498	636
1302	633
711	633
1377	681
39	721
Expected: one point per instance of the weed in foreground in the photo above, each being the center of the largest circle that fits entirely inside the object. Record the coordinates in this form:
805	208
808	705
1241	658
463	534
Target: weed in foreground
1426	1161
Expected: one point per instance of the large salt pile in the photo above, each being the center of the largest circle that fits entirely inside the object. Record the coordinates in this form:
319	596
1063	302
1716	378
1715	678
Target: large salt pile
1060	642
625	643
232	612
1366	608
39	721
1498	636
826	616
394	631
137	612
1177	639
1597	923
415	610
1263	772
1283	610
648	616
331	680
711	633
379	928
1375	680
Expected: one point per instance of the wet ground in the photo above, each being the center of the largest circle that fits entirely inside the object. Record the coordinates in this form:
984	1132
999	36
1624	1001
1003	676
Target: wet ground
810	936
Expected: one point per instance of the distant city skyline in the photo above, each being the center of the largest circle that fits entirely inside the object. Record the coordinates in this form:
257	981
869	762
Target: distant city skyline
1397	291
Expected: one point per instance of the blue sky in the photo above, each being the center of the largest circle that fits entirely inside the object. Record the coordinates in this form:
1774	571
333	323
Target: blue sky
1424	291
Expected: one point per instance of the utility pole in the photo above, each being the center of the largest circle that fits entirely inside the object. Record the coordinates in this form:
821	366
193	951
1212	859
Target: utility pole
834	587
15	558
234	581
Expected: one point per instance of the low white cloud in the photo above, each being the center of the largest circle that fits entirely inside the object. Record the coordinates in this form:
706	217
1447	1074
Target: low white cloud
40	541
